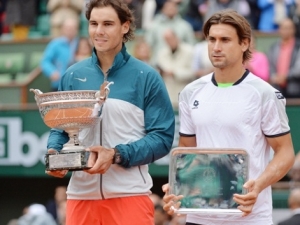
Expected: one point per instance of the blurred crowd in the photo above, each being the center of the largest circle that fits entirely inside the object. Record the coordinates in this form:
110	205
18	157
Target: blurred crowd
169	37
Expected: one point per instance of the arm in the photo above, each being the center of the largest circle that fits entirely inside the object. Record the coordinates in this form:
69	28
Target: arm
54	4
57	139
77	5
187	141
279	166
47	62
262	4
159	126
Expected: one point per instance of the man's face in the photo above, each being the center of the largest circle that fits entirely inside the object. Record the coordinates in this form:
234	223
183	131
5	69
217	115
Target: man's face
286	29
223	46
106	30
170	9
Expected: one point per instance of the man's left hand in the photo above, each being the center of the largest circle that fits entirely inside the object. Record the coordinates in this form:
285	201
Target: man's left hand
247	201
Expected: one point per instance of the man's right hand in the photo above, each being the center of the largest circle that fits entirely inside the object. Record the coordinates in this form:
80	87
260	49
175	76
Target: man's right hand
56	173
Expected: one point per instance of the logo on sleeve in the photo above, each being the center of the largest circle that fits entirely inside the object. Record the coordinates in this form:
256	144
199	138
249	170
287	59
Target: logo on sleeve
279	95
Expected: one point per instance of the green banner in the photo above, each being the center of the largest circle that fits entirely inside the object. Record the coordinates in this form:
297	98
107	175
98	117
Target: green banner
23	141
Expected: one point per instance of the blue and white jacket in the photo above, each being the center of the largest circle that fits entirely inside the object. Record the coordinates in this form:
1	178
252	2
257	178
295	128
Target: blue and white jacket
138	120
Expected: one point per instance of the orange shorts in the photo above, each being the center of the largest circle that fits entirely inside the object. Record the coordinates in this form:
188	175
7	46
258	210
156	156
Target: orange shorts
135	210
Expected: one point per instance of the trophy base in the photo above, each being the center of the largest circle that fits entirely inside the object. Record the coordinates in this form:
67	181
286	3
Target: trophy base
67	160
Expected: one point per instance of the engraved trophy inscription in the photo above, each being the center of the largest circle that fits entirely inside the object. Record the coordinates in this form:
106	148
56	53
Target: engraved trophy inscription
71	111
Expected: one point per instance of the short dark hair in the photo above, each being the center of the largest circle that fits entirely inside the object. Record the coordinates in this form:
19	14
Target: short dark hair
124	14
232	18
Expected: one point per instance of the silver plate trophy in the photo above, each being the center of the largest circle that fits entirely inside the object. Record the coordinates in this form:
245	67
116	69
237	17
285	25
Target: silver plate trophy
208	178
71	111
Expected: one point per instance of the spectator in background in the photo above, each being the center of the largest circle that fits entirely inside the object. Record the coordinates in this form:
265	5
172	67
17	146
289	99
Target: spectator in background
36	215
136	6
59	53
2	14
254	15
148	12
295	16
194	15
60	10
294	173
272	13
168	19
241	6
53	206
160	215
84	49
142	51
61	212
258	64
175	64
294	205
20	15
201	64
284	58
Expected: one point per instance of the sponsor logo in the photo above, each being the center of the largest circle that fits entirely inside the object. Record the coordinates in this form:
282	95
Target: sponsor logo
18	147
80	79
279	95
195	104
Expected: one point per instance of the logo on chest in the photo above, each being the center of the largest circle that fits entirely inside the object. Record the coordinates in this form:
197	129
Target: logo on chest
195	104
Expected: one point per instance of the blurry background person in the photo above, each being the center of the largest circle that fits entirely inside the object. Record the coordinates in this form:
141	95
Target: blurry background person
142	51
294	173
148	12
84	49
160	215
272	12
175	64
20	15
54	206
284	58
61	212
294	205
36	215
258	64
60	10
201	64
137	7
295	16
168	18
241	6
2	13
59	53
194	15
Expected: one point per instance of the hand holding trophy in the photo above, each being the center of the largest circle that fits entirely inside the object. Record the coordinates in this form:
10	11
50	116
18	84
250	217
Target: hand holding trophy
71	111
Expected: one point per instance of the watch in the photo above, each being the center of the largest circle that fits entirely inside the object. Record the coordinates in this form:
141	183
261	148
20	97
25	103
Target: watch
117	157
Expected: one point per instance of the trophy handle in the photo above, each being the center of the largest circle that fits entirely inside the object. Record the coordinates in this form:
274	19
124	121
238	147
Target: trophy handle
104	91
36	91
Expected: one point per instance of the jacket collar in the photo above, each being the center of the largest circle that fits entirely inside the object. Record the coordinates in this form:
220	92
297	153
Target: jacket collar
120	59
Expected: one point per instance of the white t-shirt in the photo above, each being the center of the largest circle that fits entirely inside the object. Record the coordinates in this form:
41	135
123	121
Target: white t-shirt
239	116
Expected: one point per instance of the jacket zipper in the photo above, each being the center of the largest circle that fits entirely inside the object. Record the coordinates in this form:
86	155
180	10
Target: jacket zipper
101	176
142	175
101	189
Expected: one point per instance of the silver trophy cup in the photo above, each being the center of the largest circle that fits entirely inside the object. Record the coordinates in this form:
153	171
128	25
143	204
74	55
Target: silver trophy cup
71	111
